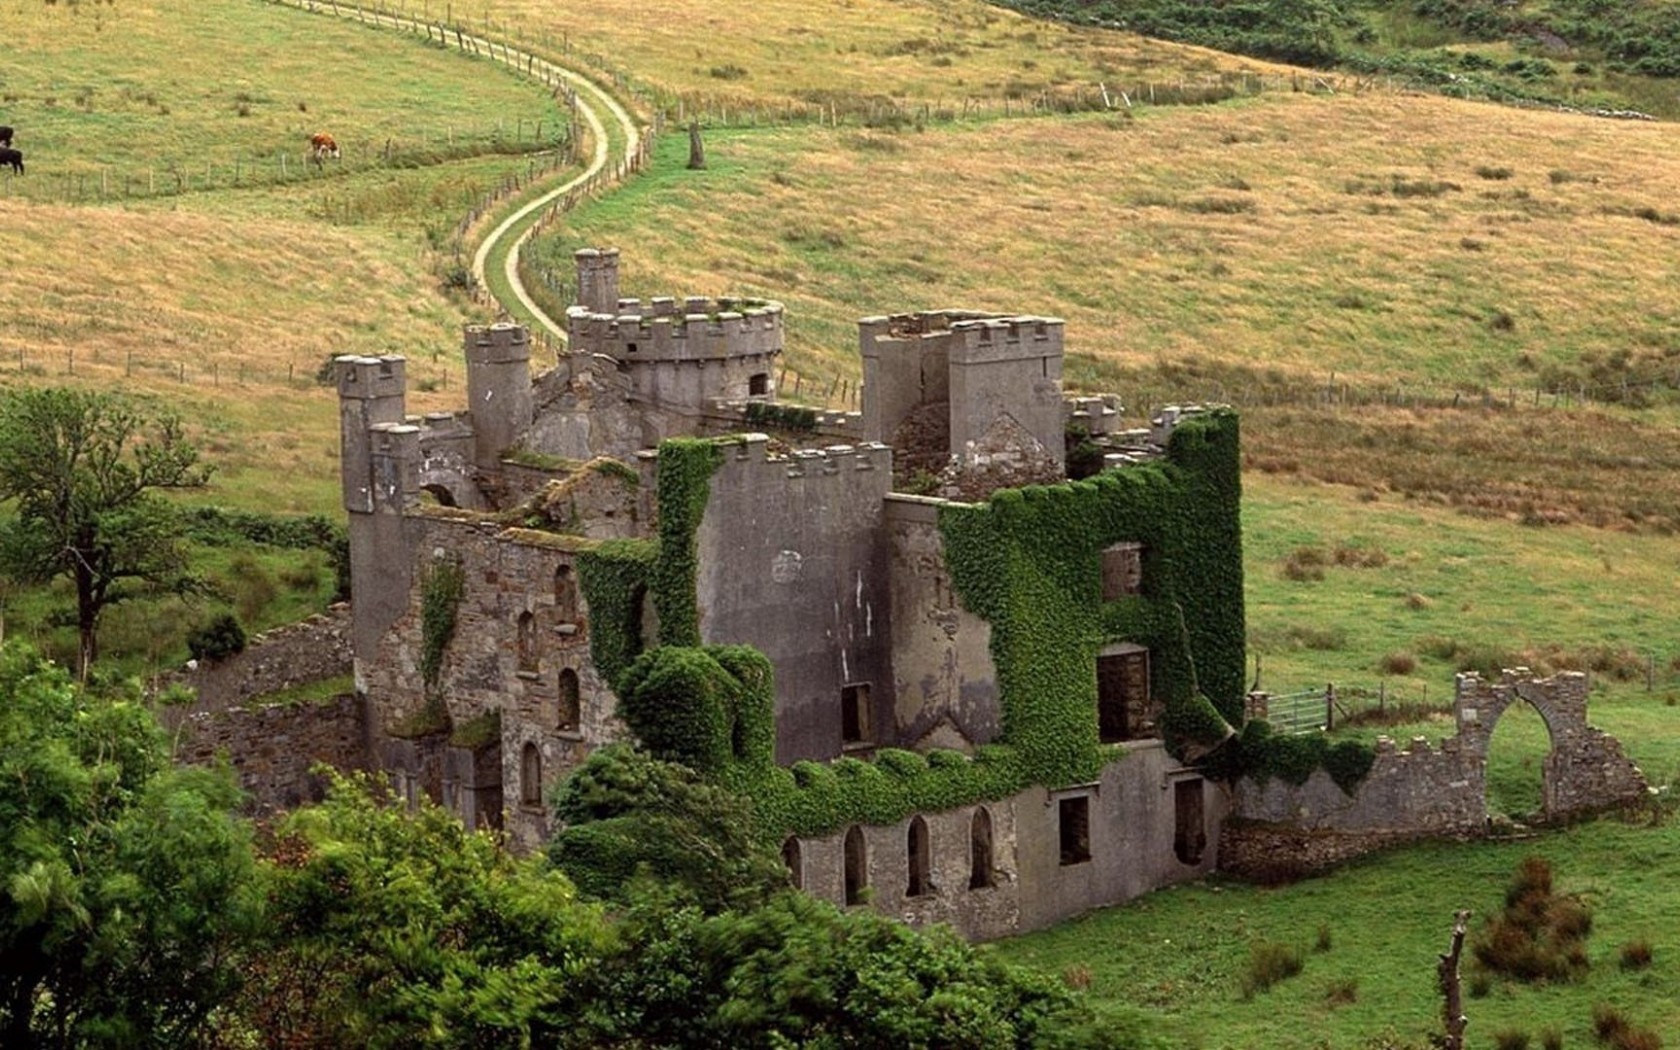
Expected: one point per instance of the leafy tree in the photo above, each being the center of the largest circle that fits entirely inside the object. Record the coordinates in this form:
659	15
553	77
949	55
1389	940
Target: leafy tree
83	469
402	929
801	972
125	885
626	813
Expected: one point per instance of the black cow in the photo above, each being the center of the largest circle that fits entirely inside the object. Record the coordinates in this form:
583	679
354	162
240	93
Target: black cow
13	157
5	136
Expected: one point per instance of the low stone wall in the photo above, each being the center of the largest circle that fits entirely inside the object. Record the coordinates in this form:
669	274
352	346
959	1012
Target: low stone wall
1284	831
1276	853
272	749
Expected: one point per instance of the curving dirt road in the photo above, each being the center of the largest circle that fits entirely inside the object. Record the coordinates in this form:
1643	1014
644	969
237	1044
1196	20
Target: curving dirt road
592	101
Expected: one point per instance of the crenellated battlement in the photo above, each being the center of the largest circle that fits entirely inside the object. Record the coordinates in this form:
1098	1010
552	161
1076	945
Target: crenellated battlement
500	343
697	330
752	453
1007	339
366	378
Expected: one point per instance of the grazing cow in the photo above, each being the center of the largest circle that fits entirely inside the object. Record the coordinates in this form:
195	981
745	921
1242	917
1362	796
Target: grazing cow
13	157
322	145
5	136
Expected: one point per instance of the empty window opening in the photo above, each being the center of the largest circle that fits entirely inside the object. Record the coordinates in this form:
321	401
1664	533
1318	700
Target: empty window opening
916	841
530	776
527	642
980	850
1124	711
1122	571
565	594
1189	830
437	494
1074	829
570	701
630	347
857	866
758	384
795	862
854	714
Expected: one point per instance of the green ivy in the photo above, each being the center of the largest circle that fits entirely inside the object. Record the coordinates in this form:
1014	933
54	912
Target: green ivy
686	466
440	597
1029	562
614	576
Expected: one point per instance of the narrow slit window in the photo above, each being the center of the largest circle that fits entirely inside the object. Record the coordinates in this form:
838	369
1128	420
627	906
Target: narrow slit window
857	866
980	850
1074	829
920	860
854	714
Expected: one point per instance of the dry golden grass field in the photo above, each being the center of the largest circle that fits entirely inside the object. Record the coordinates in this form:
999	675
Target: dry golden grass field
777	52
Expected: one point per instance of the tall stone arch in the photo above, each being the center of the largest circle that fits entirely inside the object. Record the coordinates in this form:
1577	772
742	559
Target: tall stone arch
1585	770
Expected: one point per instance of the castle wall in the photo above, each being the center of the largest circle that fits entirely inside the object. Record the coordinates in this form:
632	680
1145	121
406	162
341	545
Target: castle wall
944	683
311	650
1133	840
906	363
683	356
979	914
492	665
792	559
446	467
1133	834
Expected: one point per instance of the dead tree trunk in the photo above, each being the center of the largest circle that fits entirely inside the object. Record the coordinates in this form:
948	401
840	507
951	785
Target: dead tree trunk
696	148
1452	1010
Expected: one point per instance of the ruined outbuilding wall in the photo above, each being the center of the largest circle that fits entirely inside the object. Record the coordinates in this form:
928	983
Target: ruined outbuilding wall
793	560
1419	792
273	748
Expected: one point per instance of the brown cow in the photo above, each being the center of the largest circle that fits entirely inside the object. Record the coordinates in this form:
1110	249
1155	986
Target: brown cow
322	145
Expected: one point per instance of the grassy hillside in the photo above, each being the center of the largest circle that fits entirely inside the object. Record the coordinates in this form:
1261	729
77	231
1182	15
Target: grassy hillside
918	51
1269	252
1580	53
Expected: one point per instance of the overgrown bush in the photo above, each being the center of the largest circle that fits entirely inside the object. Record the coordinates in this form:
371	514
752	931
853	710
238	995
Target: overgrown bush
1541	935
1636	955
218	639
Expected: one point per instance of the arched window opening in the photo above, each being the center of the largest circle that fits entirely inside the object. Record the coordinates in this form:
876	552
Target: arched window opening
916	841
530	776
437	494
980	850
570	701
527	642
795	863
857	866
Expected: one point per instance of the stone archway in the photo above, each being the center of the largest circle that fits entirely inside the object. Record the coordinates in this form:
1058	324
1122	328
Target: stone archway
1584	770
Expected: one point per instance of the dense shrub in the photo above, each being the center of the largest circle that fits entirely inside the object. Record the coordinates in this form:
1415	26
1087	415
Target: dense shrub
218	639
1541	935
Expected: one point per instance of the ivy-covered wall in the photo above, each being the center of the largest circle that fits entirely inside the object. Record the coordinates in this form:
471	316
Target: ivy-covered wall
1029	562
